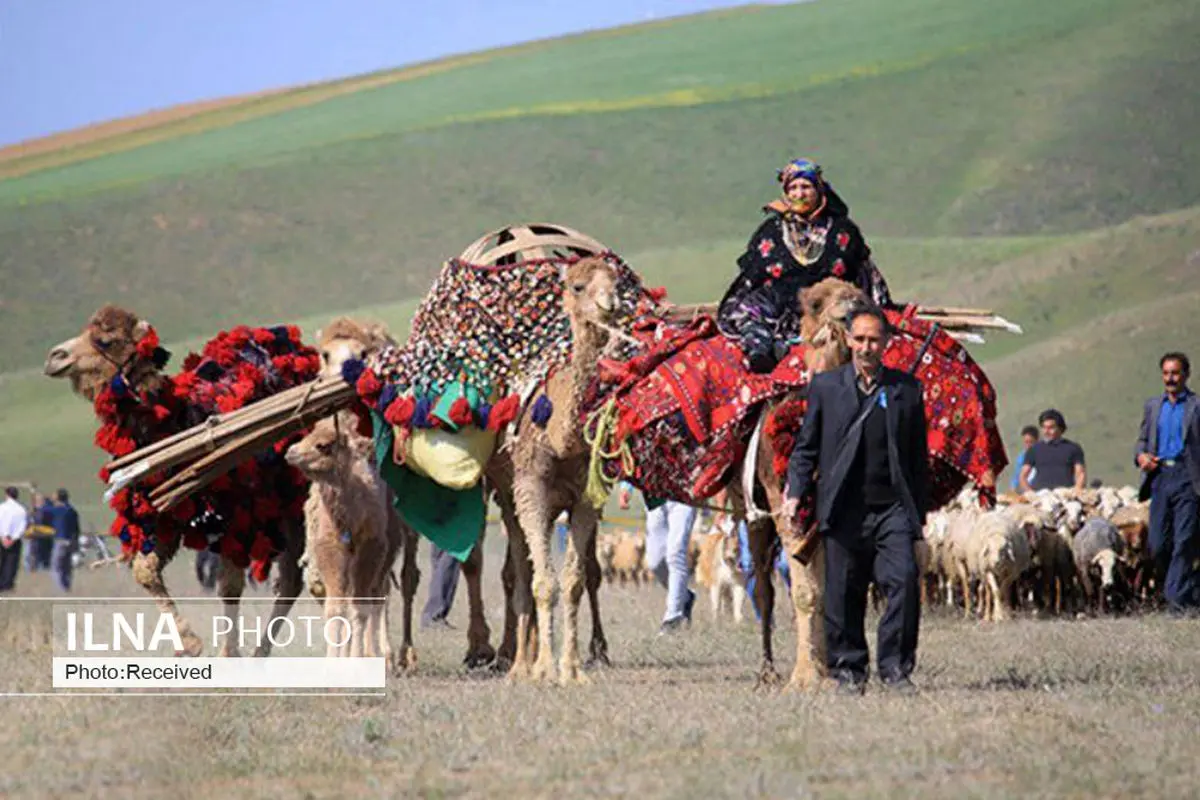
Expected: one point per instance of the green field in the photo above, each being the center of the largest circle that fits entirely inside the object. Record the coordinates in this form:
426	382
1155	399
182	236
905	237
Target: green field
1037	158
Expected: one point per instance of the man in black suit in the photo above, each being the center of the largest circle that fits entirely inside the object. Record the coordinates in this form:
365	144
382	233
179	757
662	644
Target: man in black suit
864	437
1168	453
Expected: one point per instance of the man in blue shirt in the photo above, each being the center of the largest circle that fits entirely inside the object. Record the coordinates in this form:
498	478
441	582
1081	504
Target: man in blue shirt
1168	453
63	517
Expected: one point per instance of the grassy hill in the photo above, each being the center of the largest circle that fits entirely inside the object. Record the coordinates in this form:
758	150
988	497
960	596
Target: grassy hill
1037	158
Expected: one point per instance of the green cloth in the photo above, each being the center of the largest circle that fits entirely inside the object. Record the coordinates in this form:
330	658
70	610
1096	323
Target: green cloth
449	518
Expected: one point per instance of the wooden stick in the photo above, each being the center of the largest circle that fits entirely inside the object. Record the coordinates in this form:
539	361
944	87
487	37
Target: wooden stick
266	431
207	437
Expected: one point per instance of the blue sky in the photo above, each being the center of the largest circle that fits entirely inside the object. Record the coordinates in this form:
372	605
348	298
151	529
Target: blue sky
67	63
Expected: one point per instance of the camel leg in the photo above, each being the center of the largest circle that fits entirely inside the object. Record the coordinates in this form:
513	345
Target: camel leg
583	526
147	571
808	599
714	600
763	542
534	513
516	595
231	580
508	578
598	647
480	652
288	582
523	605
410	576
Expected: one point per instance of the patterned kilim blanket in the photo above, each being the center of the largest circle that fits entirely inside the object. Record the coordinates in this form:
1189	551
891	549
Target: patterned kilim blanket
483	337
685	410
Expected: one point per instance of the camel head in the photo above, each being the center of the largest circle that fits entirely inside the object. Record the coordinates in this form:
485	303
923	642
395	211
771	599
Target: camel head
330	449
825	306
346	339
590	291
106	345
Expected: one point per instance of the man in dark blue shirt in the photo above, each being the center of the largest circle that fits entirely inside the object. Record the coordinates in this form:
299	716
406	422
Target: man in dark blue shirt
1055	461
63	517
1168	453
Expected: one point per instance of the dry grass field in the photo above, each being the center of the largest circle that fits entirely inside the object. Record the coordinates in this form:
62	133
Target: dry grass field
1097	708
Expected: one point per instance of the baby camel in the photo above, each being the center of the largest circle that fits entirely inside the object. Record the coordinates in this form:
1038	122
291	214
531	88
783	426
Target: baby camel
353	535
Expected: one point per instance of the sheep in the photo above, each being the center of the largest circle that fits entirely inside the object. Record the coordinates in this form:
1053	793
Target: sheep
1097	547
955	551
998	552
1133	522
353	536
629	556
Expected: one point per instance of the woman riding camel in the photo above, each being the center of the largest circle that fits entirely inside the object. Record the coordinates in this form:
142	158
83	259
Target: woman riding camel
808	236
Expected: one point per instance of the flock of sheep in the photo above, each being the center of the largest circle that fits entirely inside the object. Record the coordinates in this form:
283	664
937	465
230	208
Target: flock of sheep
1059	551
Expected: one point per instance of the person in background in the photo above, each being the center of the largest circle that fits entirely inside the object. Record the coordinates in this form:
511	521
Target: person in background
64	519
207	565
14	519
40	545
668	531
1168	454
443	583
1029	437
1057	460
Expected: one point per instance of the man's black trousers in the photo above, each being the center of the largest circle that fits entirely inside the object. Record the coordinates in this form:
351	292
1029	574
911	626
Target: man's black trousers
871	543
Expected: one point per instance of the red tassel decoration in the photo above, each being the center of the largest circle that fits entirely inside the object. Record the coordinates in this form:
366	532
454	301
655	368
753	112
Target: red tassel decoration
400	412
460	412
504	412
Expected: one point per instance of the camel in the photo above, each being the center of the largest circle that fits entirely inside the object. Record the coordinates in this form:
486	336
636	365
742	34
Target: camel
344	340
354	535
540	472
108	346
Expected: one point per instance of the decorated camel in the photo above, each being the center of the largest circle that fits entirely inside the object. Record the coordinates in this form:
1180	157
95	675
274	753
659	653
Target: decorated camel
486	382
252	517
686	419
540	470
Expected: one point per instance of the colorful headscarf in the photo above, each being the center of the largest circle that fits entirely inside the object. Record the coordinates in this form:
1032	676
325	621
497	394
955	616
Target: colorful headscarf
830	203
802	168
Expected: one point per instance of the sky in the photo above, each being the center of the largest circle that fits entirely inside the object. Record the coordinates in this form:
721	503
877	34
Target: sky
67	63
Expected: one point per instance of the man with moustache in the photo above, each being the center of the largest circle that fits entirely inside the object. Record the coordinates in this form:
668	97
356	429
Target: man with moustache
863	442
1168	453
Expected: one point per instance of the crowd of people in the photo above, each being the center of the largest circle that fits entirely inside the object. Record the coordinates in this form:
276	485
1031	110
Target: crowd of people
50	532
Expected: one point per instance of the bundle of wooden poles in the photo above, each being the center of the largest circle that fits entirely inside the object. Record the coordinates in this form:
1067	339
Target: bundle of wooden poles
215	446
964	324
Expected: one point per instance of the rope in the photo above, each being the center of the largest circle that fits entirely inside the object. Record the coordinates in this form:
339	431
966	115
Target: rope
599	428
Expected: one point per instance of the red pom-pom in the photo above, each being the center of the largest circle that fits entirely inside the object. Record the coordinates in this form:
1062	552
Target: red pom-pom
148	344
460	412
504	412
400	412
368	387
657	293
